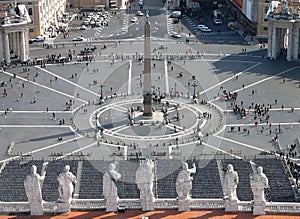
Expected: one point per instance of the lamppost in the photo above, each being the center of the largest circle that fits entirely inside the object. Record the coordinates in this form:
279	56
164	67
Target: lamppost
101	94
194	84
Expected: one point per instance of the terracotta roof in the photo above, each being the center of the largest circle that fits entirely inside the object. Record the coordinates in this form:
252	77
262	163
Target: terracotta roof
158	214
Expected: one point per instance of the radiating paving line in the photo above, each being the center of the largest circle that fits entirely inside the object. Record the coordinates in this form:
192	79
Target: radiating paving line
41	149
129	77
263	124
260	81
218	149
43	86
240	143
228	79
34	126
70	82
36	111
80	149
166	76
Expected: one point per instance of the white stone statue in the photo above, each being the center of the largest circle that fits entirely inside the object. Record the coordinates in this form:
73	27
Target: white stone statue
259	182
33	186
284	8
110	191
231	180
184	182
66	187
144	179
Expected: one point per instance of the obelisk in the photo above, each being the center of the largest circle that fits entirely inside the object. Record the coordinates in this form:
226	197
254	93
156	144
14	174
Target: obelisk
147	70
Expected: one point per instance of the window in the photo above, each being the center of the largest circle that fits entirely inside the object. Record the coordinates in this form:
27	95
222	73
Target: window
265	28
30	11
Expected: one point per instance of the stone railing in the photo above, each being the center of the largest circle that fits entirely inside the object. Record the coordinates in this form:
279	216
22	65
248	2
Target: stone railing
88	204
283	207
207	204
15	207
245	206
99	204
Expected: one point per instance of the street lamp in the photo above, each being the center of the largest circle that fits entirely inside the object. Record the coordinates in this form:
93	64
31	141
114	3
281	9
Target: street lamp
101	94
194	84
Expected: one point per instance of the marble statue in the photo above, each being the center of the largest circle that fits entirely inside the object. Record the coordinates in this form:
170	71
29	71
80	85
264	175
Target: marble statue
144	180
184	181
66	187
231	180
284	8
110	191
33	187
259	182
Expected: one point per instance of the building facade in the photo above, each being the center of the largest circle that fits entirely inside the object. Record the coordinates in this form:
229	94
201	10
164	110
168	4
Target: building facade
108	4
14	34
284	30
45	15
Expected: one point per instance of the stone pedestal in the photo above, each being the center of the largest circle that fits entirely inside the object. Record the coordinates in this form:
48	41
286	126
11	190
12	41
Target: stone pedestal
63	207
231	205
184	205
112	204
259	208
36	210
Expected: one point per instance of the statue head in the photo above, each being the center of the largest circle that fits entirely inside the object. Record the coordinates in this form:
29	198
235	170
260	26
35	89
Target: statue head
230	168
259	170
185	166
67	168
112	166
33	169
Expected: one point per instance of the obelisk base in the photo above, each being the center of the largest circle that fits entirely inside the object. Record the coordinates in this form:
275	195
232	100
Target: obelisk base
147	105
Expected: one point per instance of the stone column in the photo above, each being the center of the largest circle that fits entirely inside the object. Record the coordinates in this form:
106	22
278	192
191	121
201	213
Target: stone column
27	42
22	46
6	49
296	43
147	71
1	47
290	45
270	34
274	43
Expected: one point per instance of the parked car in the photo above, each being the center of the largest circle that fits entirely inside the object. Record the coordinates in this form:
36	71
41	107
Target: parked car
139	13
78	38
83	27
201	26
133	20
205	29
217	21
39	39
176	14
175	35
232	26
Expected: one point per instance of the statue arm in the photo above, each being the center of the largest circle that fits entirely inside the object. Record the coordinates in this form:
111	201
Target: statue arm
193	169
236	178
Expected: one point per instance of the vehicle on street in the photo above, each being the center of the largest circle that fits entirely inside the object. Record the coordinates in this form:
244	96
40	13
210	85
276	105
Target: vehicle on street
133	20
175	35
39	39
139	13
201	26
78	38
205	30
175	14
83	27
232	26
141	3
86	22
217	21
